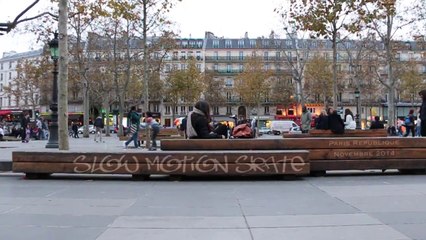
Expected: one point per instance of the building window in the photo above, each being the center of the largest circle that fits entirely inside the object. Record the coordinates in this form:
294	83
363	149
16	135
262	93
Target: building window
228	96
198	54
1	87
229	68
252	43
216	67
265	55
228	44
191	108
278	55
229	82
241	55
167	109
168	68
241	43
266	110
199	67
215	110
1	66
228	55
228	110
241	67
183	66
156	107
10	75
215	43
182	110
216	55
1	102
1	77
267	66
10	65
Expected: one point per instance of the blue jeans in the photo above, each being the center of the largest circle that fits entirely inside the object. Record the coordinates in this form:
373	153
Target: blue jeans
134	138
154	132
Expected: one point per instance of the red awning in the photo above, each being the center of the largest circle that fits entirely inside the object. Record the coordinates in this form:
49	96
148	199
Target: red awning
5	112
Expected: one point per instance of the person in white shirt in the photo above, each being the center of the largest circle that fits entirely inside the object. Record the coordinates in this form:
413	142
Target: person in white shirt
1	133
349	119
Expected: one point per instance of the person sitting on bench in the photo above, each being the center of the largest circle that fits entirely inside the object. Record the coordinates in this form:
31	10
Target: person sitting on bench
197	123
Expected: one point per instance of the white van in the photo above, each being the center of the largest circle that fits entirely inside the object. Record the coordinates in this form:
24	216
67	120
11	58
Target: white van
282	126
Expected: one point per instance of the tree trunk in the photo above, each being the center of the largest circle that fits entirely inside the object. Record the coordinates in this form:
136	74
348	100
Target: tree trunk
86	108
107	122
63	76
335	70
145	69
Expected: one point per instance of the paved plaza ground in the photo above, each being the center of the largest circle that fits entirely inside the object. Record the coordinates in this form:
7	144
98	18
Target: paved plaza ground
355	205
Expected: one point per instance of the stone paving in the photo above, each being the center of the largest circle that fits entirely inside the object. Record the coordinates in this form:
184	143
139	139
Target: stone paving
339	206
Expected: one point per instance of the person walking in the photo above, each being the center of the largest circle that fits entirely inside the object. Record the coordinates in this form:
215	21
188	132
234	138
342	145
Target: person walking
99	126
306	120
422	114
134	122
74	128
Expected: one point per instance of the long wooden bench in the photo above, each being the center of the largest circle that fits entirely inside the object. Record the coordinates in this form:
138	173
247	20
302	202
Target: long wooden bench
143	164
405	154
347	133
165	133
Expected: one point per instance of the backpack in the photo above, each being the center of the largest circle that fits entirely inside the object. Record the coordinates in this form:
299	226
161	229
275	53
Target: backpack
407	121
242	131
182	126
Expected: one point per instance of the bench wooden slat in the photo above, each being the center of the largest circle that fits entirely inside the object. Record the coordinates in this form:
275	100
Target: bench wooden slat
364	164
183	163
302	143
377	153
170	157
177	169
348	133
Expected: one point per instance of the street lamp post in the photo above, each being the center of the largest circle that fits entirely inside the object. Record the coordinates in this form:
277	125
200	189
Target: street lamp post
357	117
53	126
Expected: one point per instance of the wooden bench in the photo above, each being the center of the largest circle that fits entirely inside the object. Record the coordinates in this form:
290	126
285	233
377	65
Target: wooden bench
348	133
405	154
142	164
165	133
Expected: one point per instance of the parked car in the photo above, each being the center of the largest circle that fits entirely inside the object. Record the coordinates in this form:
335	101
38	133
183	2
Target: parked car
282	126
295	130
92	129
265	130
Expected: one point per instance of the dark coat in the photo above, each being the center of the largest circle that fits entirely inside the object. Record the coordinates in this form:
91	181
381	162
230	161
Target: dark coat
322	122
201	126
423	107
377	125
336	124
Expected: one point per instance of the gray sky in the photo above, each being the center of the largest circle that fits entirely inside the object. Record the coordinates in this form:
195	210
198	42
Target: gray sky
225	18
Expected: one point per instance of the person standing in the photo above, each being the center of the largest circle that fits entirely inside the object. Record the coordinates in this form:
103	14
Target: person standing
422	114
155	129
418	127
306	120
99	126
409	124
25	121
134	122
